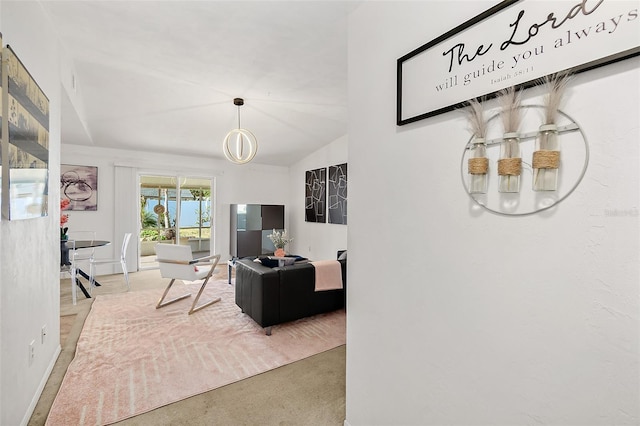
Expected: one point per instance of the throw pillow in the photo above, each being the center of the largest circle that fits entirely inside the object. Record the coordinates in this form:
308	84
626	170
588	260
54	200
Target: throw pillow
269	263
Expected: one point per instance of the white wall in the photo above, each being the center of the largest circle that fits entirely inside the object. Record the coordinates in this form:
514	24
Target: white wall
29	255
477	318
235	184
249	184
315	240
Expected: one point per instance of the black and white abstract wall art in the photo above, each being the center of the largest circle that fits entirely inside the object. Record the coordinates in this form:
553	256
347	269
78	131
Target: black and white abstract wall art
337	192
315	195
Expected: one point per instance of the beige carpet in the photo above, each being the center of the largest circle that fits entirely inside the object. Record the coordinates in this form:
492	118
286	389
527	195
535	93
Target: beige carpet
66	323
132	358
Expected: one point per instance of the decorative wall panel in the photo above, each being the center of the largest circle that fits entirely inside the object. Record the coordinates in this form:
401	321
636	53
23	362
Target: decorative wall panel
25	139
337	193
315	195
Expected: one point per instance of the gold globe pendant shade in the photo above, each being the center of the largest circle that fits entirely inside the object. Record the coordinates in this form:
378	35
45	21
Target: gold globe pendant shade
240	145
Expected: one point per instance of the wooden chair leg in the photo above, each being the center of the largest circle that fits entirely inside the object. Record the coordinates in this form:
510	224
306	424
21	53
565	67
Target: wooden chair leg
204	305
161	302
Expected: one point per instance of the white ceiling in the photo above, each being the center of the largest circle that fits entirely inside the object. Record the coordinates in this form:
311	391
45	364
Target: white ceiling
161	75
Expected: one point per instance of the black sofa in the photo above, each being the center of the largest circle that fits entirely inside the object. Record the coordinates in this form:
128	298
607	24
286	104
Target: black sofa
276	295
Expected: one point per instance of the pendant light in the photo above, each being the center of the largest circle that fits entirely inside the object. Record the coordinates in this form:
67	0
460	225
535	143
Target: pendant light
240	145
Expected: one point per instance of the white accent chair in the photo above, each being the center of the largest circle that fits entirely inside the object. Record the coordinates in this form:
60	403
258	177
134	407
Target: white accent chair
177	263
122	260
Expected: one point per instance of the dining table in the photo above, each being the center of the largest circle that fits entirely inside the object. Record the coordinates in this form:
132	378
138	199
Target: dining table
66	246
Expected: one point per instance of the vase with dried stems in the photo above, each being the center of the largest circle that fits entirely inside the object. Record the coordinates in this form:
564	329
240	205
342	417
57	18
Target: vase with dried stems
478	163
546	155
510	162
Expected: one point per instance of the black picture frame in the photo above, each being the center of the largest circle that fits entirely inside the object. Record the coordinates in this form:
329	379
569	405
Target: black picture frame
498	8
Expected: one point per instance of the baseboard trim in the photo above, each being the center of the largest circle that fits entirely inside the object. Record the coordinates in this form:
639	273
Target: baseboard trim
43	382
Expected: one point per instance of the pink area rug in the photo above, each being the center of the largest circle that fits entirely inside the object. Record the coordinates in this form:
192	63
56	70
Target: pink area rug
132	358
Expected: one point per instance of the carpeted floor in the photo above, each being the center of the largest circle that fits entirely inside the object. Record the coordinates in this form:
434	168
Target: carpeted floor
306	392
66	323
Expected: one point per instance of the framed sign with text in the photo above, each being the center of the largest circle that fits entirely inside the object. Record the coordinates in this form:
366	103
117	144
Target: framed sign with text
515	43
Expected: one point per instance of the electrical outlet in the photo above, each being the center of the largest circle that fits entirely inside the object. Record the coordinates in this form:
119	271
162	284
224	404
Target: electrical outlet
43	334
32	351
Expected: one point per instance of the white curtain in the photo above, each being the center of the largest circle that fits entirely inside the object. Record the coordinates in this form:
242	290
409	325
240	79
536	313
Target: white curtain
126	213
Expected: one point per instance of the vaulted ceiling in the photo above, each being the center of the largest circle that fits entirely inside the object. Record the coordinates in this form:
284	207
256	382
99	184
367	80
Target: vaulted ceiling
161	76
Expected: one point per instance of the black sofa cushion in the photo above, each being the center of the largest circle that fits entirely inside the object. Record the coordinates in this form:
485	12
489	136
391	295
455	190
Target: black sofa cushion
258	294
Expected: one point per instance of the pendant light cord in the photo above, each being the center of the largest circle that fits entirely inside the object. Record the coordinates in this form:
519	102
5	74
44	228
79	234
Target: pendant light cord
234	150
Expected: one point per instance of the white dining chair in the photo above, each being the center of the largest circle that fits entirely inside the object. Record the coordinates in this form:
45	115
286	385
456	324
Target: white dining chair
84	255
122	260
67	248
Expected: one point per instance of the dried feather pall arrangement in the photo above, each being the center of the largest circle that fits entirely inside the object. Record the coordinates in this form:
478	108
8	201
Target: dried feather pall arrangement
510	162
556	85
546	156
478	163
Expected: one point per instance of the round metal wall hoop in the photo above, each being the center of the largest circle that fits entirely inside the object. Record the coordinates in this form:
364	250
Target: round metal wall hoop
240	146
574	162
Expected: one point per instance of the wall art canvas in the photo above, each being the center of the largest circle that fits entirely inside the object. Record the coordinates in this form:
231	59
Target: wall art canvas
25	142
315	195
514	43
79	184
337	194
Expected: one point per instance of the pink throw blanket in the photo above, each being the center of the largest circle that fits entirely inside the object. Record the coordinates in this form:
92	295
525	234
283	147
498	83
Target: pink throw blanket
328	275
